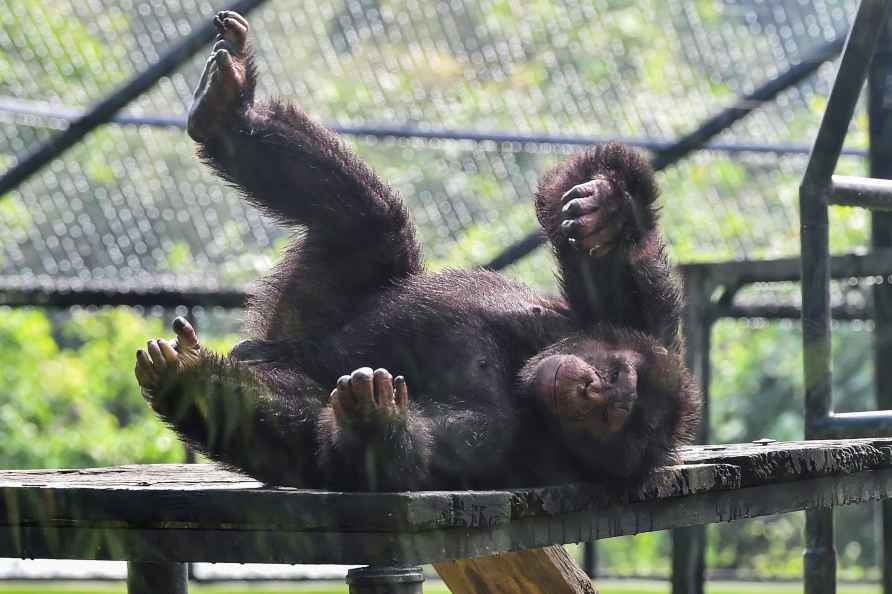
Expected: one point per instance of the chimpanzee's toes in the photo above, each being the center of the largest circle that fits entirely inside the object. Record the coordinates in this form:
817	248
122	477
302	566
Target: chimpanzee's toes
146	375
367	396
362	388
232	28
154	363
218	98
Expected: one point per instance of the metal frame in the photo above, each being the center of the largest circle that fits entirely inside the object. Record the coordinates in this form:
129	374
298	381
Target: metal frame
701	280
815	194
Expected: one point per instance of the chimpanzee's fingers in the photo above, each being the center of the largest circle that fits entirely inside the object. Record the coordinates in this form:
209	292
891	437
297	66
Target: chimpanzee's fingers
383	388
579	206
587	224
578	191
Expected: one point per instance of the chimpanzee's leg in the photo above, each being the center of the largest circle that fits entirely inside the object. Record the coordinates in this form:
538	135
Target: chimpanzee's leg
245	416
372	437
359	233
598	211
279	426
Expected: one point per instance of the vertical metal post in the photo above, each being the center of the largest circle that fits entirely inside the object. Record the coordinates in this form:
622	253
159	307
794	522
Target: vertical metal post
385	580
689	544
154	578
590	558
820	554
879	102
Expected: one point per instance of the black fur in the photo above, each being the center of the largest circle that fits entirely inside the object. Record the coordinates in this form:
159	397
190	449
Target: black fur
351	291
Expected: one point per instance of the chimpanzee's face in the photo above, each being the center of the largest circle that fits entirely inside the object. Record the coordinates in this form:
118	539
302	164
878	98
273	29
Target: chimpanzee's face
593	386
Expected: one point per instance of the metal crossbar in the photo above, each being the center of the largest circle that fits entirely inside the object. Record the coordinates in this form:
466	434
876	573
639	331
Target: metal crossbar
866	192
819	189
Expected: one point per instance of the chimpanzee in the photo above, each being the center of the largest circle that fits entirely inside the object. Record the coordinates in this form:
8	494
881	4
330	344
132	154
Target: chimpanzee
462	378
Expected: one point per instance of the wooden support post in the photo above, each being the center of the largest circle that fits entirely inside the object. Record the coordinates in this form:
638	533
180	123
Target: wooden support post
550	570
385	580
689	544
155	578
879	103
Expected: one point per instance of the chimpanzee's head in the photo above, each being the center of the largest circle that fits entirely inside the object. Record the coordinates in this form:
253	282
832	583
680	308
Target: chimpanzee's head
619	400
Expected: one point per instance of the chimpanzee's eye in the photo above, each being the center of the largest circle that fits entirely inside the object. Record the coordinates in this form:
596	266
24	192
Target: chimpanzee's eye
614	375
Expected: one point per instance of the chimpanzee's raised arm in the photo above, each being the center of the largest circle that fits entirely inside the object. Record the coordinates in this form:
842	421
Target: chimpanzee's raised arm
598	210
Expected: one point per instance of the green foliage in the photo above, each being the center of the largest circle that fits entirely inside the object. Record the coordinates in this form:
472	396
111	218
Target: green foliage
68	397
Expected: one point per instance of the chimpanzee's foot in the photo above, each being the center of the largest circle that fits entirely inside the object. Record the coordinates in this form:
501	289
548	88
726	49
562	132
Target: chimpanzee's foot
161	358
227	83
597	216
368	399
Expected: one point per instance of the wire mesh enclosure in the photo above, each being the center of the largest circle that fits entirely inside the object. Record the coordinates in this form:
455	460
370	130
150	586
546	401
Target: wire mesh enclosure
460	105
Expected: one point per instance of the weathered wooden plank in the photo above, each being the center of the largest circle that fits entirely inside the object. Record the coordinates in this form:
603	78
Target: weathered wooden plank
673	481
175	496
206	497
402	549
794	460
548	570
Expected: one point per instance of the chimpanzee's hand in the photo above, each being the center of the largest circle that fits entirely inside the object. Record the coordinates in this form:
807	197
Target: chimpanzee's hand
598	216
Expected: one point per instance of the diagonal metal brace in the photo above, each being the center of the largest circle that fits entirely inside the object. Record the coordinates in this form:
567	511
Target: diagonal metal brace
116	101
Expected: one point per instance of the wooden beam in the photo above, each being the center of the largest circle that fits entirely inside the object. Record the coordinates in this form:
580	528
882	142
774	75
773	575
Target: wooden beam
163	513
549	570
552	524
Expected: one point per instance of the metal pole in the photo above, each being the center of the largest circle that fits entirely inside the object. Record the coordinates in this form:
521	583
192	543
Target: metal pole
697	139
689	544
879	103
56	111
820	554
108	107
385	580
155	578
590	558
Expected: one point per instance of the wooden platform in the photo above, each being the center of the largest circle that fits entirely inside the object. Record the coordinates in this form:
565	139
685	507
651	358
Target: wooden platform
158	513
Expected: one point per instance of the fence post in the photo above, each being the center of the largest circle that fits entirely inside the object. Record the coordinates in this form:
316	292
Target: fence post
689	544
879	103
